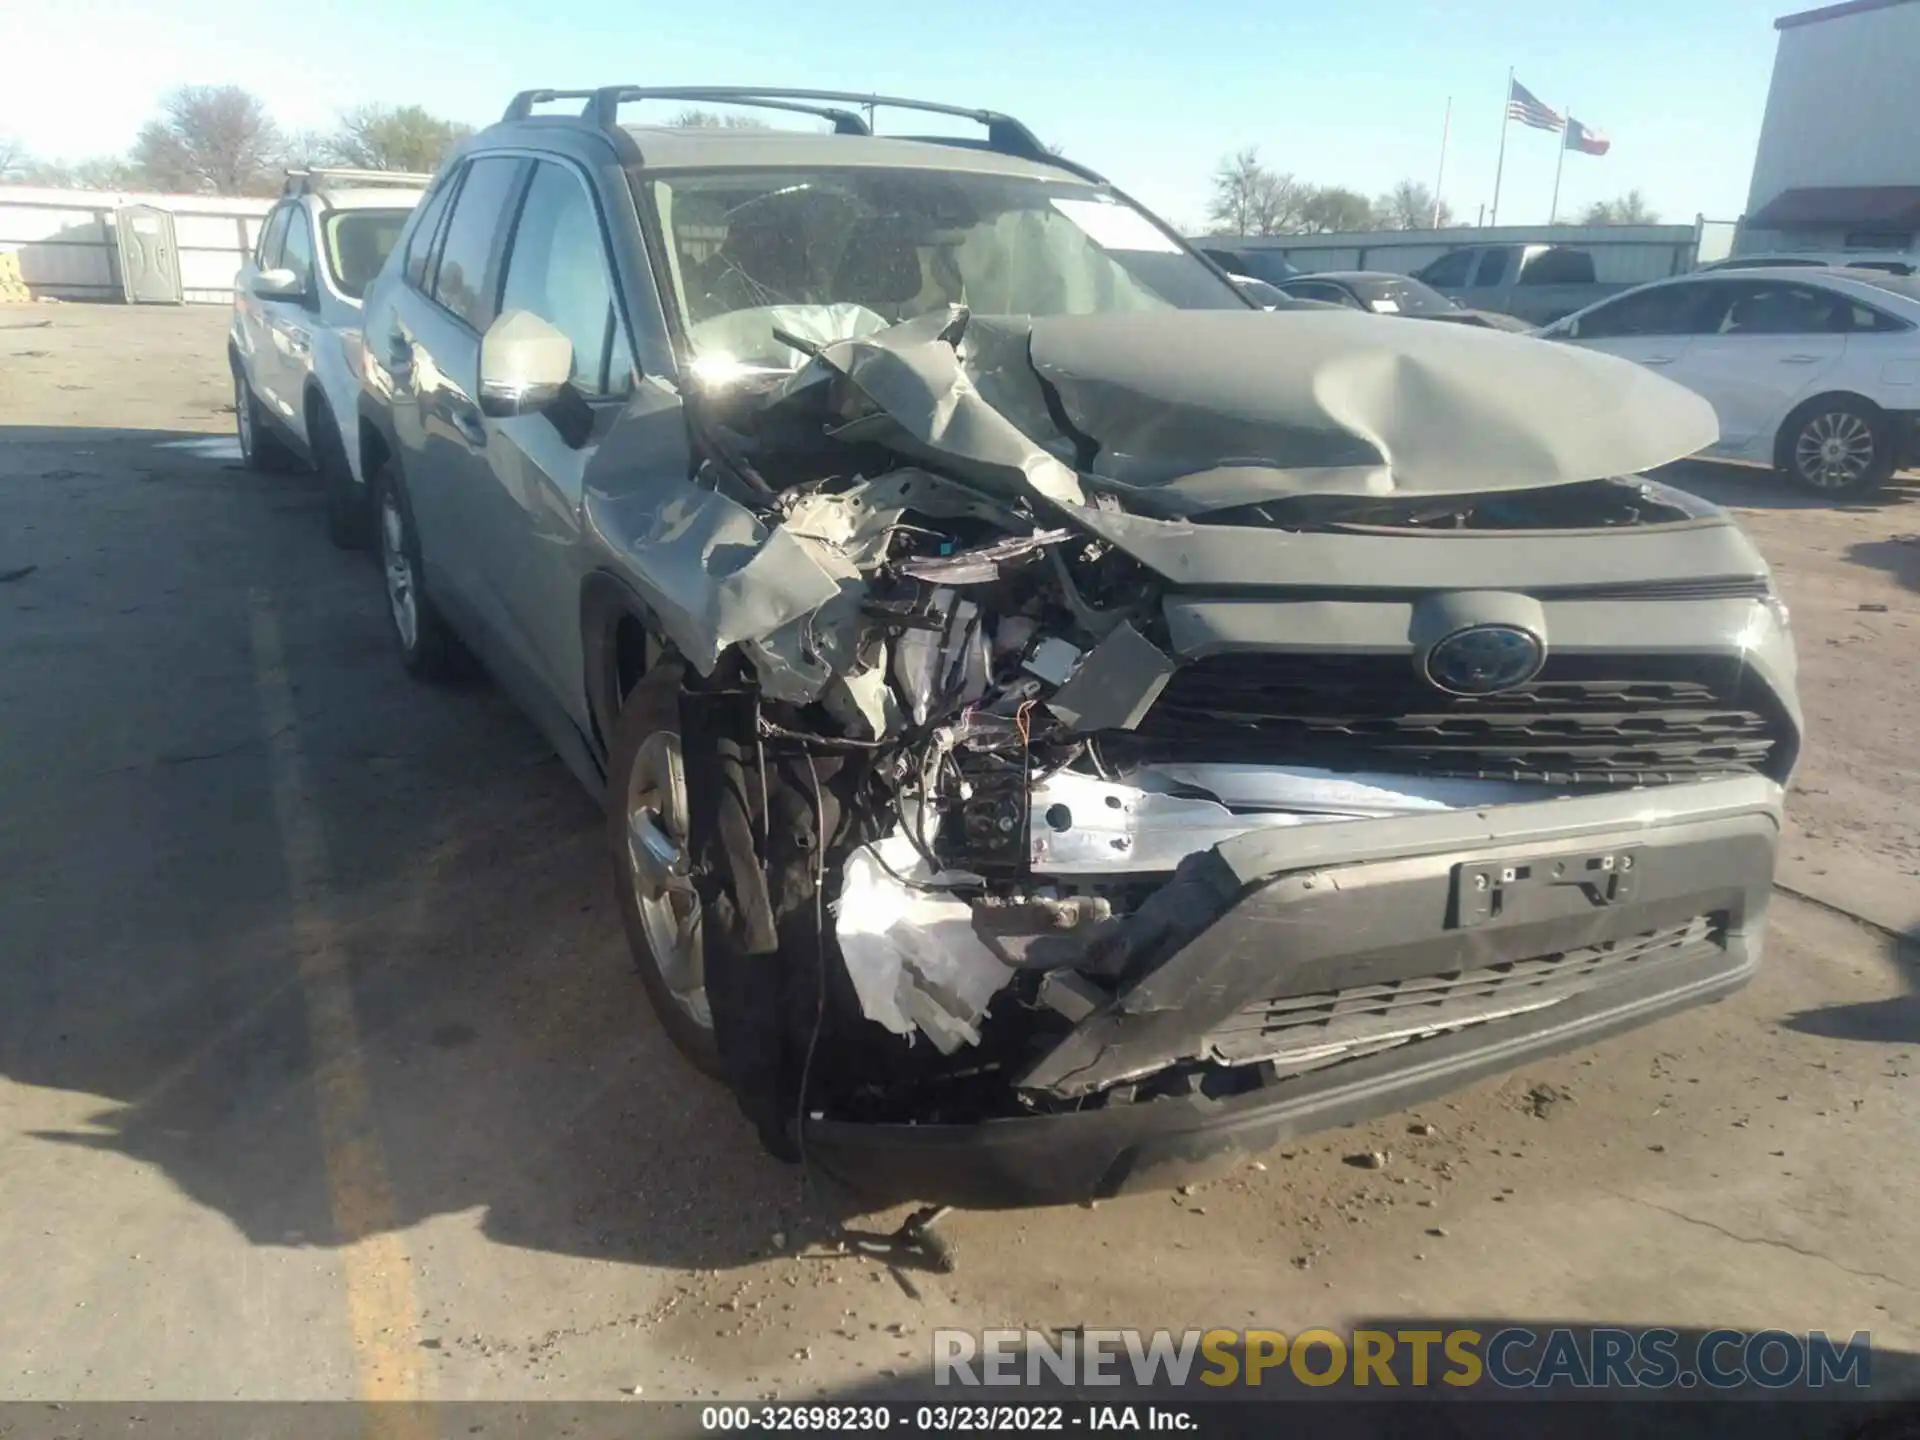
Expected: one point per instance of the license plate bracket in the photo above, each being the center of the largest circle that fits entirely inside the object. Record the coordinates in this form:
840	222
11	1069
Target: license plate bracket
1484	889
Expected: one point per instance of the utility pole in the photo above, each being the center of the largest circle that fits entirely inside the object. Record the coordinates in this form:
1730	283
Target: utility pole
1440	179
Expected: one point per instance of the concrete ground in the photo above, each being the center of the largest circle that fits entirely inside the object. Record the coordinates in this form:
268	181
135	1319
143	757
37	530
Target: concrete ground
324	1072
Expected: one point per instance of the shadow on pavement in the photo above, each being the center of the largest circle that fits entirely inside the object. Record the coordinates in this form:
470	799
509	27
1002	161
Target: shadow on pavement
1884	1022
1899	556
163	960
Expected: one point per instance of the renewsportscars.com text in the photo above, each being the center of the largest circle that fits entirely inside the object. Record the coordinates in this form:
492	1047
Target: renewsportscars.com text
1513	1358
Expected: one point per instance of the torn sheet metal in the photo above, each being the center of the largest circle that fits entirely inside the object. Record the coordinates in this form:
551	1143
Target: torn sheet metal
915	961
1115	685
711	571
913	374
863	703
1185	411
944	669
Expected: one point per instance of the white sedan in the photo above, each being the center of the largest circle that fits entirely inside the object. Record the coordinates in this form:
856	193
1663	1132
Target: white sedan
1816	374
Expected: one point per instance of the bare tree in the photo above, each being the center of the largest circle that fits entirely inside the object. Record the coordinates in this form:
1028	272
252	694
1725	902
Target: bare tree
1250	199
101	172
382	137
1334	207
1409	206
696	119
210	138
1629	209
14	159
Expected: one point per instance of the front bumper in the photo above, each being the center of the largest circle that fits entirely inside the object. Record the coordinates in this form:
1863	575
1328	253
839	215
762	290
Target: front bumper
1341	904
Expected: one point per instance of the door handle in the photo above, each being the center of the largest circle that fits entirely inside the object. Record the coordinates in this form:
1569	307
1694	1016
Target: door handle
1799	359
1658	360
466	420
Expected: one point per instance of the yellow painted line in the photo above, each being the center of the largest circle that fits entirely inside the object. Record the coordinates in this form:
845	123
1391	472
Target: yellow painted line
382	1313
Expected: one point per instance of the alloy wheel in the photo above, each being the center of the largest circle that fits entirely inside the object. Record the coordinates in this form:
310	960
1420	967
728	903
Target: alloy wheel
1835	450
402	593
663	890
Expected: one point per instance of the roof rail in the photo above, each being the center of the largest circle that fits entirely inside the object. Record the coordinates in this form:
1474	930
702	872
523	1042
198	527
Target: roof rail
521	106
1005	134
604	108
309	180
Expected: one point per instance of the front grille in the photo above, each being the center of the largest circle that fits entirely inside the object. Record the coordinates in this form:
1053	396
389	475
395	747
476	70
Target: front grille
1609	719
1296	1033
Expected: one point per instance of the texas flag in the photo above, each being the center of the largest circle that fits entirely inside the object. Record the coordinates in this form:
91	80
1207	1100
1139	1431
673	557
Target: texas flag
1585	139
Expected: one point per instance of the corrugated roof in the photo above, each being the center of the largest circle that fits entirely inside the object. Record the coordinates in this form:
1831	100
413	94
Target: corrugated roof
1896	207
1835	12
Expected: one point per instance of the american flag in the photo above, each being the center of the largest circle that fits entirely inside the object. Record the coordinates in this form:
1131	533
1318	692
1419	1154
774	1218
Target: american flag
1523	107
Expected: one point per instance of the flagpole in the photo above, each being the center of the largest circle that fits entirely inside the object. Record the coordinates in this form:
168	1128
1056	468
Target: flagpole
1553	212
1440	179
1506	106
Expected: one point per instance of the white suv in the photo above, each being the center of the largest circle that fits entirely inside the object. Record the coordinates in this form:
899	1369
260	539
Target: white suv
295	341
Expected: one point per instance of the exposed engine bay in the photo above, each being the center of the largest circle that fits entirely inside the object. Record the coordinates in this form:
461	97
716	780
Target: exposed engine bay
998	628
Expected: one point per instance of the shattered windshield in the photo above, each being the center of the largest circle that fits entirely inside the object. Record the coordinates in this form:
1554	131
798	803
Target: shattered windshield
831	254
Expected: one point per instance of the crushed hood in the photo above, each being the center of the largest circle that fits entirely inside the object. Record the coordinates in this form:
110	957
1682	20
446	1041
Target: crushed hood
1178	413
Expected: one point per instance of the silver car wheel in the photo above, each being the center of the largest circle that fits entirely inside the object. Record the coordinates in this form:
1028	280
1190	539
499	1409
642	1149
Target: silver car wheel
663	890
1834	451
402	596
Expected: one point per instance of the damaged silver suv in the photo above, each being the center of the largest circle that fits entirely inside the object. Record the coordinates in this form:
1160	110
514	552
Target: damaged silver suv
1060	726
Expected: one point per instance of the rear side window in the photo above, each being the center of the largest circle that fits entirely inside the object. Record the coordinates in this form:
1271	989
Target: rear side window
1669	310
461	281
272	238
1493	268
557	270
1864	319
1449	269
420	243
1772	307
1559	266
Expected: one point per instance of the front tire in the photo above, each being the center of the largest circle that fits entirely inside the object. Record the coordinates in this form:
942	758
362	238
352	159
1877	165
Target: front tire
648	815
428	648
1841	447
346	498
260	448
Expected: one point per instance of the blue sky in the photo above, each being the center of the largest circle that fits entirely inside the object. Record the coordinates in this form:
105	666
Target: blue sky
1152	94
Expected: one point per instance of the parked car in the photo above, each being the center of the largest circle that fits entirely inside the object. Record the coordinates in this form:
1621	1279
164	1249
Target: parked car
1538	283
1060	727
1256	263
294	345
1381	292
1887	262
1268	297
1816	373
